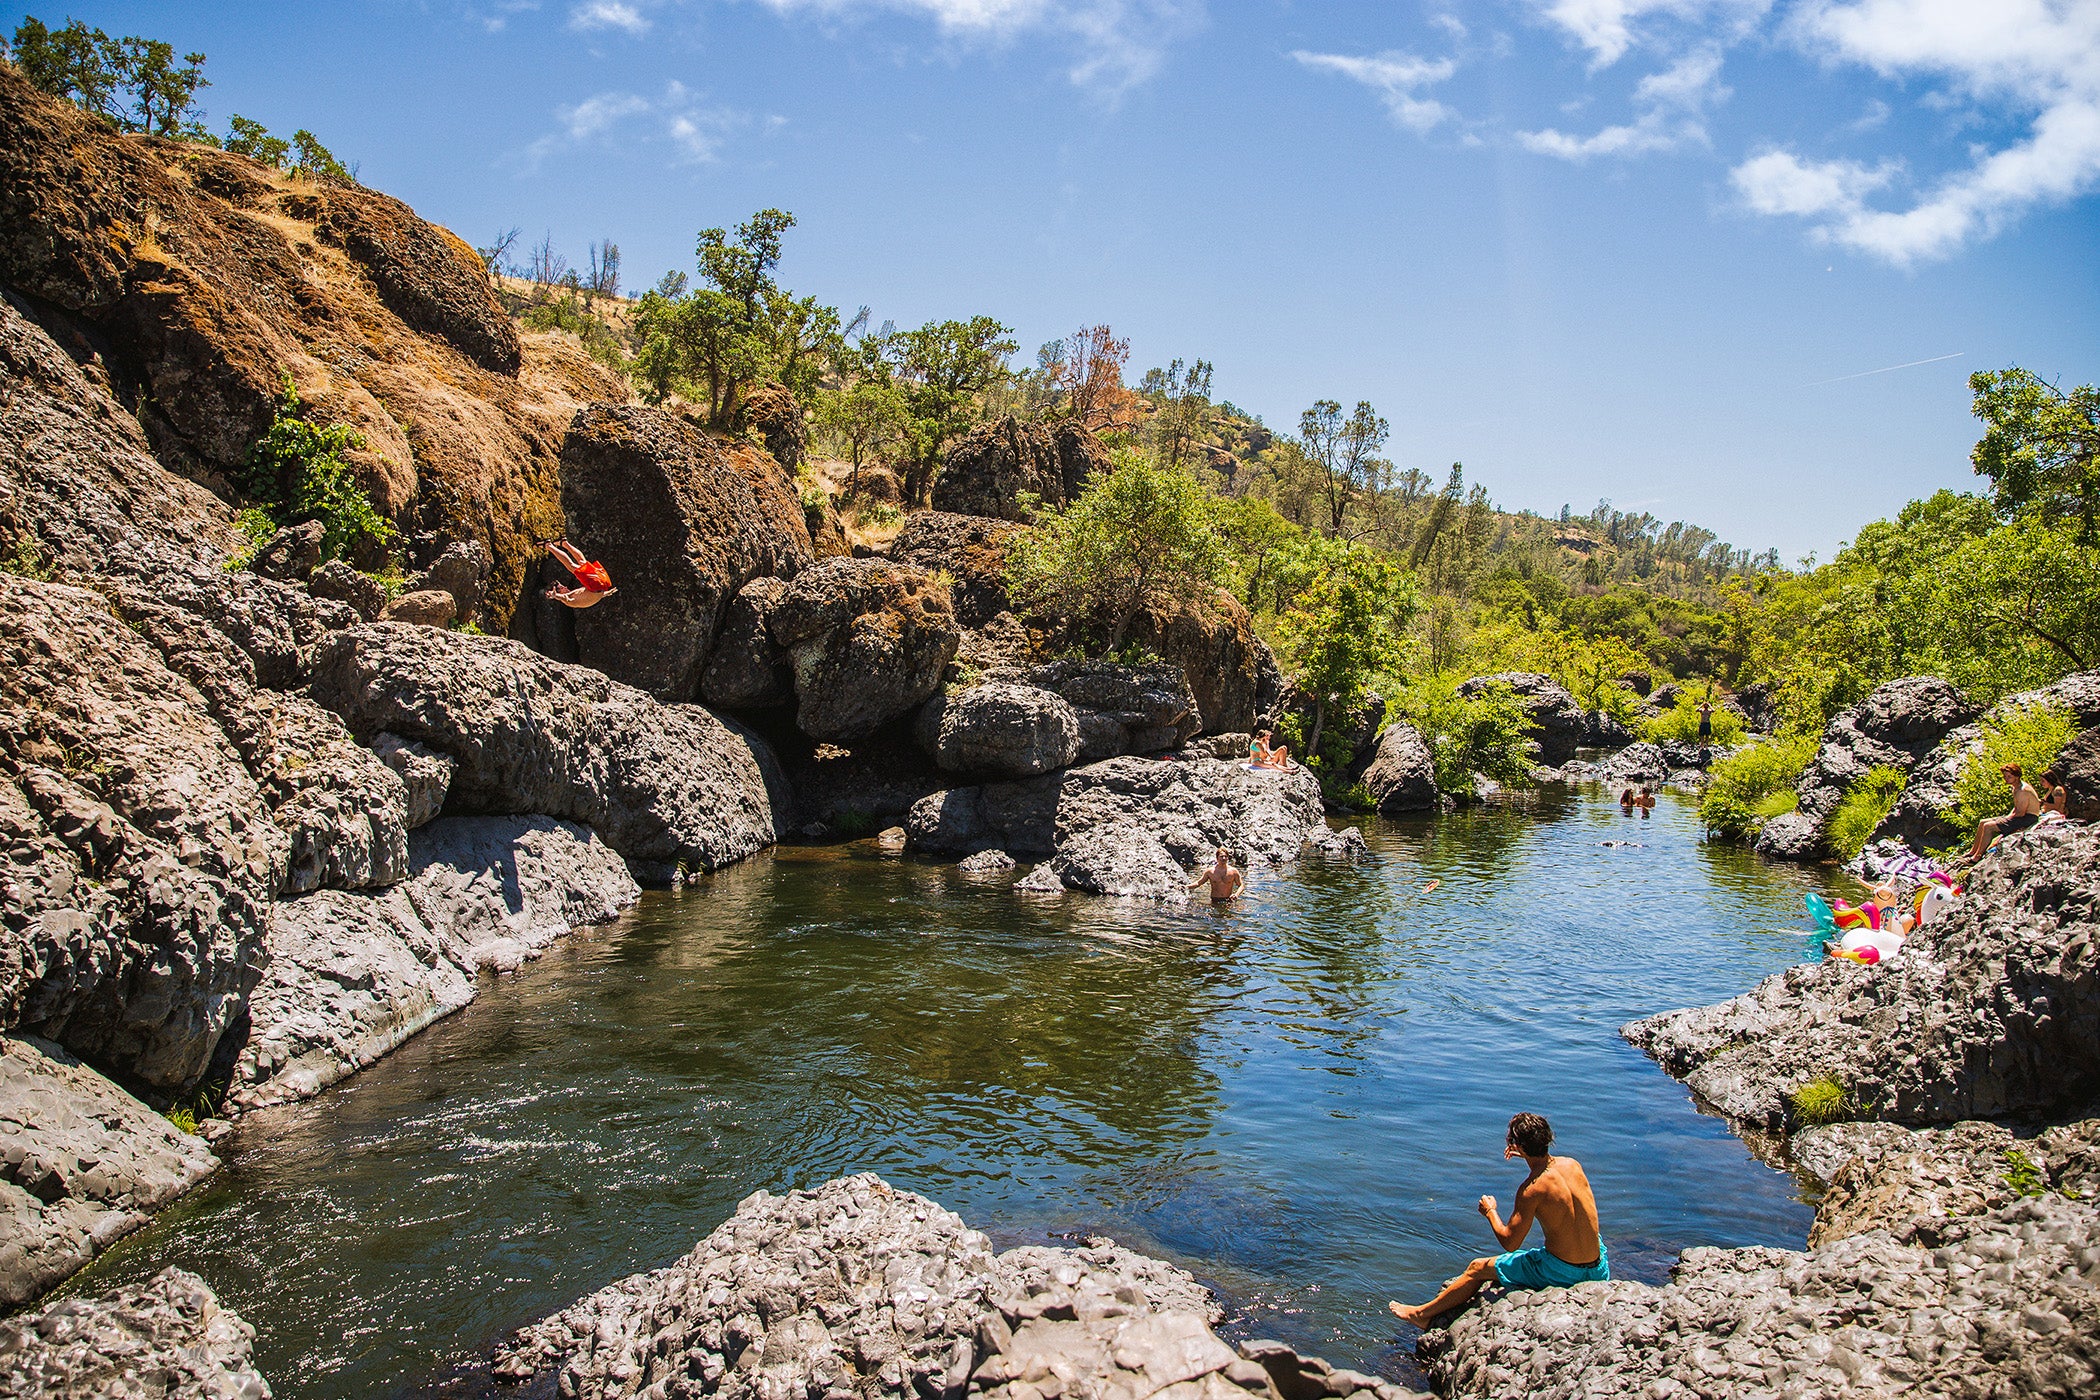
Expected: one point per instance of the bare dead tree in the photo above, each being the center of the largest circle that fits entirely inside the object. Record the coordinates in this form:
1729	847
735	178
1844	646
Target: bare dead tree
497	255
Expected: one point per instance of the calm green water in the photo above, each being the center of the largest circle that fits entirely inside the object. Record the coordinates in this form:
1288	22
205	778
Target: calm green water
1299	1099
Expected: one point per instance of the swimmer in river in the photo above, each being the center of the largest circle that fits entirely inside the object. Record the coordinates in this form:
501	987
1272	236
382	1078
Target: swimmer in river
1557	1195
1223	876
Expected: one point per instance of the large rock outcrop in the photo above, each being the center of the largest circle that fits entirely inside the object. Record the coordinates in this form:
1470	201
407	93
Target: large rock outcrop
352	975
1401	775
82	1164
746	670
1895	727
683	522
988	471
1932	1270
193	281
1187	808
971	550
665	785
1919	820
859	1291
1992	1011
867	641
165	1339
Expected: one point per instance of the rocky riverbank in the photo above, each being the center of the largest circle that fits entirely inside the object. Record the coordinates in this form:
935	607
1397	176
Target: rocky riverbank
859	1291
1956	1250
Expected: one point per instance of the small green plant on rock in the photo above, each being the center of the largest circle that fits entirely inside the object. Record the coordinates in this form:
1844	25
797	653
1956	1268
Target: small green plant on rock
298	471
853	824
1821	1100
183	1118
1862	809
27	560
1753	785
2022	1176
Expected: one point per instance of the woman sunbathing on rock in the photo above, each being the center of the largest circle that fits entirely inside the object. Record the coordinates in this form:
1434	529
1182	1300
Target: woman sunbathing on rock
592	582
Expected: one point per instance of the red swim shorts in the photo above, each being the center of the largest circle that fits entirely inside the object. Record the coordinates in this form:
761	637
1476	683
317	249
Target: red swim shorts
593	577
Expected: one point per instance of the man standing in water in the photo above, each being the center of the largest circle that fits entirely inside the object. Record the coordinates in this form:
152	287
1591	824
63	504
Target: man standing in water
1557	1195
1224	878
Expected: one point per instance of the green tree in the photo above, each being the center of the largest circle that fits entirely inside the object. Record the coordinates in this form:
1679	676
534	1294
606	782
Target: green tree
862	419
245	137
2040	447
1344	630
1344	452
162	92
1181	411
298	471
314	161
1141	533
941	370
79	64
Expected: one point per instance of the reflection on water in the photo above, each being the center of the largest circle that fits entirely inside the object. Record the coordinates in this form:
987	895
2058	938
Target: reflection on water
1300	1098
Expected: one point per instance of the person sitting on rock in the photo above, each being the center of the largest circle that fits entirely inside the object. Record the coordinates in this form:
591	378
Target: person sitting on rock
1279	758
1557	1195
592	582
1258	750
1224	878
2056	799
2026	811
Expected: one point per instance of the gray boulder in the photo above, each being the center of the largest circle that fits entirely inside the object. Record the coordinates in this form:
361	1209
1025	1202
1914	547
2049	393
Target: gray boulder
1895	727
1402	773
1918	818
168	1338
1559	725
682	522
868	641
1990	1012
1189	806
433	607
352	975
82	1164
1000	729
1121	709
1348	844
664	785
1041	880
426	775
747	670
337	582
291	554
461	570
2080	761
986	863
1118	859
989	470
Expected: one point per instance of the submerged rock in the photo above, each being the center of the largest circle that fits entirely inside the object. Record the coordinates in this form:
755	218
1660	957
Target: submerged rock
82	1164
166	1339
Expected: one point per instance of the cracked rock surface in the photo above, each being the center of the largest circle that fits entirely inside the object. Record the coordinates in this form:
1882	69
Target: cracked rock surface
166	1339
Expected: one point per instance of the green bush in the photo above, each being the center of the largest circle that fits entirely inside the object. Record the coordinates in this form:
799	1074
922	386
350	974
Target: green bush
1753	785
568	313
2029	735
854	824
185	1119
1681	722
879	514
1861	810
297	472
27	559
1821	1100
1488	733
2022	1177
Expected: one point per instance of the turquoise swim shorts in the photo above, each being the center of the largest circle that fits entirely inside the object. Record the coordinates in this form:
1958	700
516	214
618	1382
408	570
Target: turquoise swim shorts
1536	1268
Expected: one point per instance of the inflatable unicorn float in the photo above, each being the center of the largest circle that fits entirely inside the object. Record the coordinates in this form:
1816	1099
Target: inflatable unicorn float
1875	930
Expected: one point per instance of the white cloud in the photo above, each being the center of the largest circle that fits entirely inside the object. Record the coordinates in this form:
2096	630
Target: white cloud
1672	106
1121	42
2034	58
608	14
1609	28
1394	76
677	118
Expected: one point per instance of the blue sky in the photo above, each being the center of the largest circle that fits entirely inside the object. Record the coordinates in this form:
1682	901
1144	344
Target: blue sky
1644	249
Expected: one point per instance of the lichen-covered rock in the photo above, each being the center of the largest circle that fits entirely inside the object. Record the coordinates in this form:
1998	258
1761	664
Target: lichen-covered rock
747	670
971	549
433	607
352	975
1190	807
868	641
682	521
1919	816
664	785
82	1164
1895	727
773	413
986	472
165	1339
1000	729
859	1291
1402	773
1993	1010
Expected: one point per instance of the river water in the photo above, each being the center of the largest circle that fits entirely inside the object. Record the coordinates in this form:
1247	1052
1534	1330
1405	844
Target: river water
1300	1098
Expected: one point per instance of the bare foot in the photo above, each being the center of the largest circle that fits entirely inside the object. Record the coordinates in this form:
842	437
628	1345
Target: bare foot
1414	1317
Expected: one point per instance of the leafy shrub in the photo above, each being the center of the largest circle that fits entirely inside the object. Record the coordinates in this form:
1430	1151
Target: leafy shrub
184	1119
1821	1100
27	559
1681	722
880	514
2029	735
853	824
568	313
2022	1177
1861	810
1347	797
1753	785
1488	733
297	472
